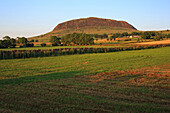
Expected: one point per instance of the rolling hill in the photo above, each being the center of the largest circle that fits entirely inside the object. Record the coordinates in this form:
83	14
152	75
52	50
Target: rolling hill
91	25
92	22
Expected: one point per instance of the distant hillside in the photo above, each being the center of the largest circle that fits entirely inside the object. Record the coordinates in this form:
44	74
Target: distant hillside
92	22
91	25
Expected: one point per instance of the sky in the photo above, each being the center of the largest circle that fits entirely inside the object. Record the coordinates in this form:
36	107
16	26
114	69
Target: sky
34	17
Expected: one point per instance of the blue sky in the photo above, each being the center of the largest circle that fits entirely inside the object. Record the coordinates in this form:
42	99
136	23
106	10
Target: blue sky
33	17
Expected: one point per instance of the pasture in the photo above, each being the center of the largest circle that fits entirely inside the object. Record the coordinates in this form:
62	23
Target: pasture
58	47
126	81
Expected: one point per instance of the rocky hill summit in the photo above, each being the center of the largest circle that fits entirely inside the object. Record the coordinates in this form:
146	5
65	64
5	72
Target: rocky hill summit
92	22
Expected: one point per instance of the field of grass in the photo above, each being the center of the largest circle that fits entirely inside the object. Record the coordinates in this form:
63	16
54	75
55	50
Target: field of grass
156	42
84	64
128	81
122	42
57	47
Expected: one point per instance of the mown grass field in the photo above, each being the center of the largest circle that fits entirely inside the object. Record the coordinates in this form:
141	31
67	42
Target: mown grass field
128	81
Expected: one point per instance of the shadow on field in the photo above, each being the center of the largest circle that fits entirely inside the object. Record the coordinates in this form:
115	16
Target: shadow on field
38	78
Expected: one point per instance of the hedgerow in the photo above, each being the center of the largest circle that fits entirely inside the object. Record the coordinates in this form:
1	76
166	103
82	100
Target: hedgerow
15	54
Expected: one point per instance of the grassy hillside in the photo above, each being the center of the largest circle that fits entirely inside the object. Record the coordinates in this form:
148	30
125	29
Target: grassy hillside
164	31
129	81
93	30
91	25
88	30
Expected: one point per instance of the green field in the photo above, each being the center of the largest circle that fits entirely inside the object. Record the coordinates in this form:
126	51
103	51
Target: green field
127	81
57	47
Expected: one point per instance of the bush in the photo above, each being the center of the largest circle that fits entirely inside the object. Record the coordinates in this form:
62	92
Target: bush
127	40
31	40
43	44
29	45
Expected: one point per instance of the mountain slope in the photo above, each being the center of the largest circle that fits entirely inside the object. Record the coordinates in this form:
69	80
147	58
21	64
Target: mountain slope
91	25
92	22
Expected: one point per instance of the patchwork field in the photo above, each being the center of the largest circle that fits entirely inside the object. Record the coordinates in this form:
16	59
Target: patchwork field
127	81
156	42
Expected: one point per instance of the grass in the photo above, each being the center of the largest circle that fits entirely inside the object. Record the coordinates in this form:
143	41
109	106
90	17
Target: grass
84	64
128	81
56	47
122	42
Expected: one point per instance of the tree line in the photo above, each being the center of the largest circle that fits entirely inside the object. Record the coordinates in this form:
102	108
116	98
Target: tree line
72	39
99	36
14	54
88	39
124	34
144	35
78	39
154	35
9	42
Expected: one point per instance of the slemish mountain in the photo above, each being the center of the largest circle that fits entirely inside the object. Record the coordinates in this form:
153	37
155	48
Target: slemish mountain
92	22
91	25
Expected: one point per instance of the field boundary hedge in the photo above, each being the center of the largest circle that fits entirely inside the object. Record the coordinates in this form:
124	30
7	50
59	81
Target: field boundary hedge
16	54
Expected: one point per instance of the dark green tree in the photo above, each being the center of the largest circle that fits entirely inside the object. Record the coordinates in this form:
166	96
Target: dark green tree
6	42
124	34
153	33
6	38
159	36
43	44
32	40
66	40
75	38
78	39
1	43
113	37
105	36
13	42
22	40
146	35
134	33
116	35
168	36
55	41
